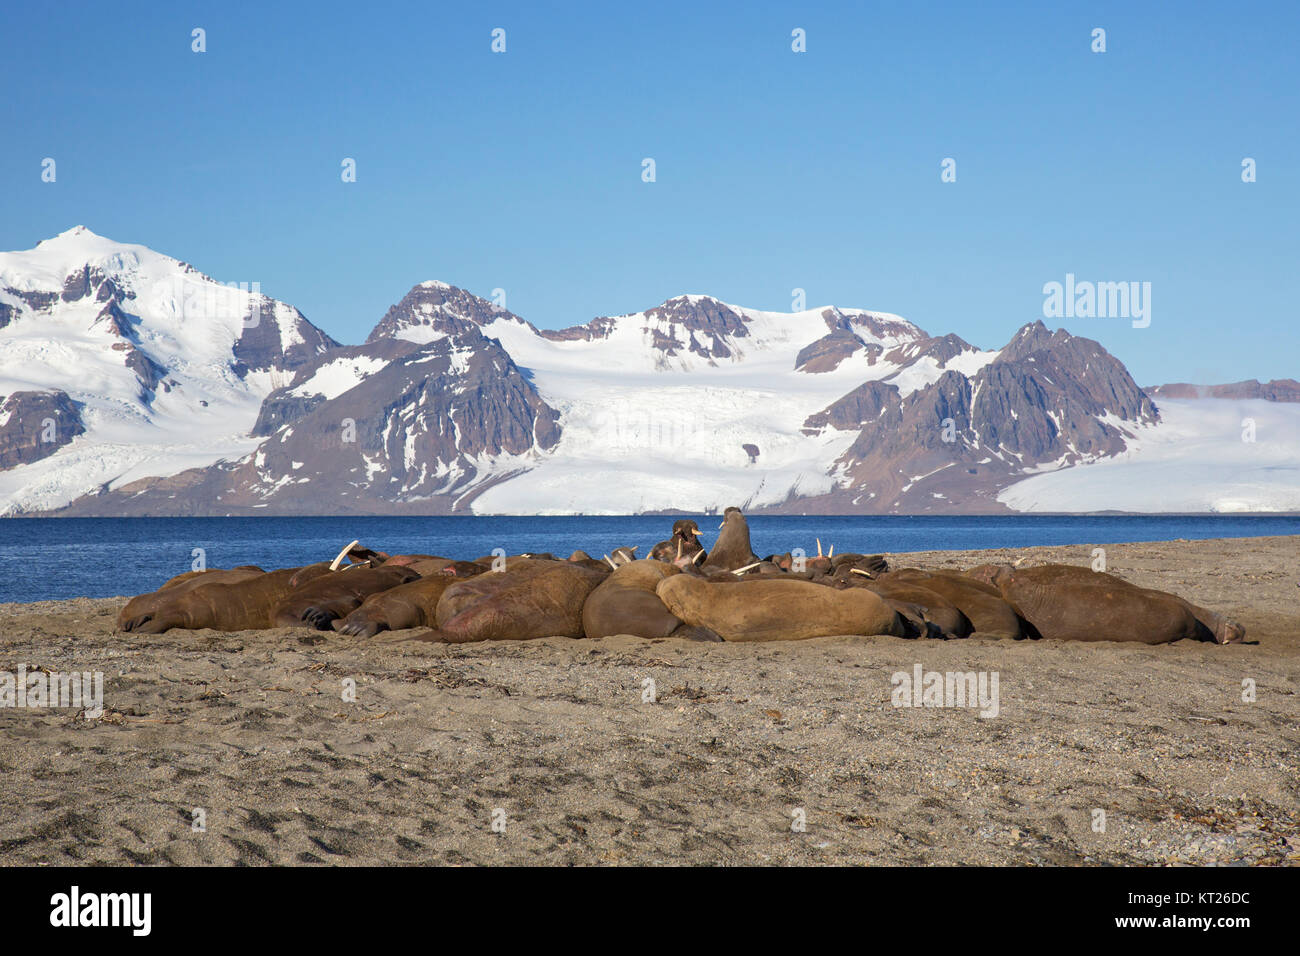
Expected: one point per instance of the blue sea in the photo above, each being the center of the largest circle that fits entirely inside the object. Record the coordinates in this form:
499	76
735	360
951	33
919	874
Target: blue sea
55	558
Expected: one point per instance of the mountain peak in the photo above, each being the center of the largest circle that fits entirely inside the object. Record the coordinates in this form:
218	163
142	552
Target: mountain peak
432	309
1033	337
1037	327
46	266
76	237
693	298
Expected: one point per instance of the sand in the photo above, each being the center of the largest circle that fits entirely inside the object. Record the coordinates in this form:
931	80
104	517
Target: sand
552	741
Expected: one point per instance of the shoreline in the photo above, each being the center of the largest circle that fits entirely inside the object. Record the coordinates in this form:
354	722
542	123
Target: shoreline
252	727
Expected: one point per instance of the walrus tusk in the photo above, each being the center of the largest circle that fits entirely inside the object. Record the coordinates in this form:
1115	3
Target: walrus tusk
865	574
633	548
747	568
698	555
819	547
611	563
679	549
831	552
334	565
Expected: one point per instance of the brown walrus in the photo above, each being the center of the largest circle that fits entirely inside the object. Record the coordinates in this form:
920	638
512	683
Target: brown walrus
462	569
989	614
732	549
766	609
626	603
247	603
624	555
143	608
533	599
413	604
1067	603
320	601
592	564
684	545
935	608
191	575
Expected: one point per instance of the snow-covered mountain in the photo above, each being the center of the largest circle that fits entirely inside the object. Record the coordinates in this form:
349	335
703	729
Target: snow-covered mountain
1205	455
117	362
455	404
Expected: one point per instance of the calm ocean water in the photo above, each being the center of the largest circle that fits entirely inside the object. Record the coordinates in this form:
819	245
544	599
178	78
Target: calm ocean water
54	558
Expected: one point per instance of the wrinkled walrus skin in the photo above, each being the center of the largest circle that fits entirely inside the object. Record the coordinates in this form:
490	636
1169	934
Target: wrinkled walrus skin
983	604
320	601
412	604
145	608
239	605
762	609
530	600
626	603
936	609
191	575
1069	603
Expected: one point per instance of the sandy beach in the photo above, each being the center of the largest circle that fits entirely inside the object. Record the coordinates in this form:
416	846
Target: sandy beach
547	752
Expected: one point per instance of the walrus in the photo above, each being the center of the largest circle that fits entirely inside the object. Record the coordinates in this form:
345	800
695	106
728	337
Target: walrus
624	555
935	608
145	607
914	619
684	544
488	559
413	604
732	549
191	575
985	608
626	603
873	564
243	604
408	560
533	599
593	564
763	609
448	566
492	561
320	601
1068	603
186	576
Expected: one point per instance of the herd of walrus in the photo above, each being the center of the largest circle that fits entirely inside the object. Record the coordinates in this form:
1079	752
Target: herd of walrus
680	590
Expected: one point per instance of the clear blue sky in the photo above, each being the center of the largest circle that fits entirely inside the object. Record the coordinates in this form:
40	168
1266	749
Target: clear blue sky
775	170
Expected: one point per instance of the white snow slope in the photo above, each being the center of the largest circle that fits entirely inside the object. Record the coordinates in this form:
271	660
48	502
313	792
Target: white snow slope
1194	460
645	431
189	324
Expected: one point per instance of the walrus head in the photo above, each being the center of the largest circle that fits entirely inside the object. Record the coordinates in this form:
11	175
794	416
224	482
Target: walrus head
359	555
625	555
687	530
822	564
1229	632
730	510
334	565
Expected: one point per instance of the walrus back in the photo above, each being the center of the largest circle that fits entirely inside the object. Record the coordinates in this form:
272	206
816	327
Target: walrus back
775	610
